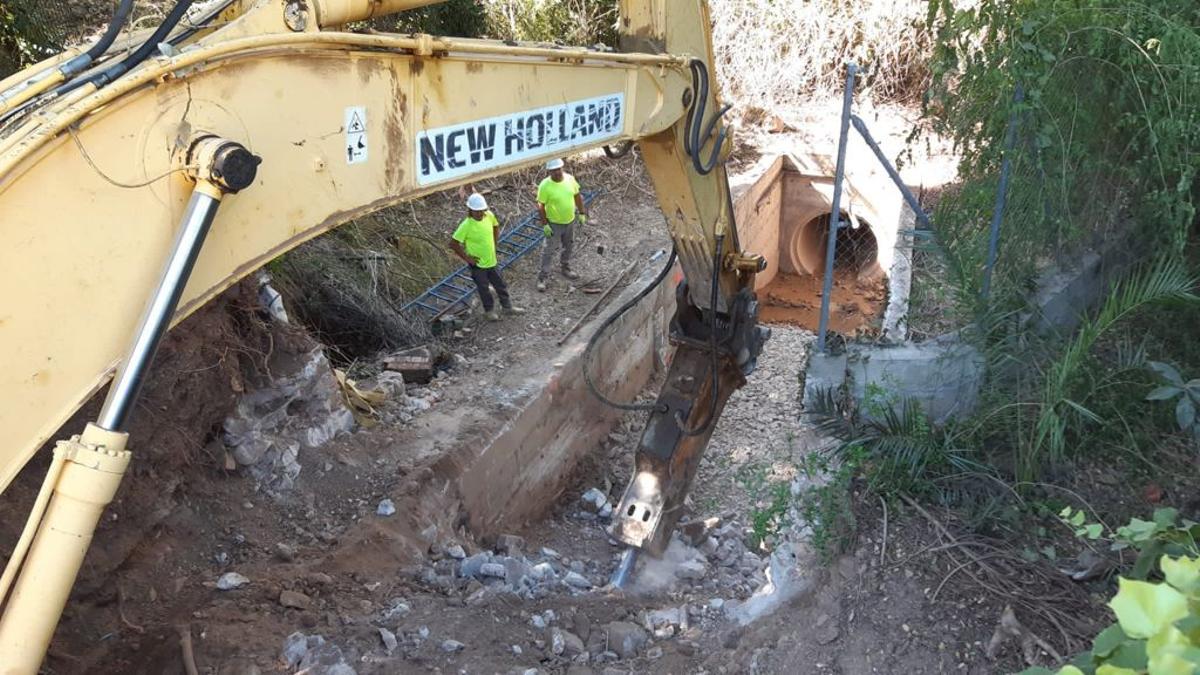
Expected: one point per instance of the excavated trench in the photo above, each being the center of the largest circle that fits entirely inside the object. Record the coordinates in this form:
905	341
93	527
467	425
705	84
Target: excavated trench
500	463
783	211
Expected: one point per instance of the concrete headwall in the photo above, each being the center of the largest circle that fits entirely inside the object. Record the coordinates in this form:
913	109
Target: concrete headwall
758	205
519	471
784	193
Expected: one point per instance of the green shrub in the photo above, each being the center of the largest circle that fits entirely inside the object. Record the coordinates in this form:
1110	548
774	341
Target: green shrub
1109	127
1158	623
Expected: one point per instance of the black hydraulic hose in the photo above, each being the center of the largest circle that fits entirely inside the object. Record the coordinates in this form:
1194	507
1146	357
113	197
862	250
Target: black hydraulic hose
712	346
192	29
80	63
694	138
622	150
595	339
139	55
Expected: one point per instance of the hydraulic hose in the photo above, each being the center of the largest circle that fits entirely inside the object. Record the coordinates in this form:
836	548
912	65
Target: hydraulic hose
192	29
595	339
621	150
16	97
138	56
698	132
83	61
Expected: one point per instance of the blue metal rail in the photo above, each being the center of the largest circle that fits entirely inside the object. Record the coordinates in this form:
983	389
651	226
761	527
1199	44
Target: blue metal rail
454	292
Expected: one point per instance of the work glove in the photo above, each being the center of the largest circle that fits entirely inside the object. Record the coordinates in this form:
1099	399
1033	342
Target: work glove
583	219
549	231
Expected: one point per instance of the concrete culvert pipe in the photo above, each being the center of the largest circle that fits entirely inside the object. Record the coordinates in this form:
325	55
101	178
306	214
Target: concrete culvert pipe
857	248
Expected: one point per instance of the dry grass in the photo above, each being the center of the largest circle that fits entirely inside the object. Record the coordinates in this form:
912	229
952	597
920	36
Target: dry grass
776	53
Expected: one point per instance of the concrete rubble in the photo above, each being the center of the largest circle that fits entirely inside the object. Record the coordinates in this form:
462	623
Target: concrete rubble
270	425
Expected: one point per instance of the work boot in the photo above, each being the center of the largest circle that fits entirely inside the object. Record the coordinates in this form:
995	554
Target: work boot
541	285
491	315
514	311
568	273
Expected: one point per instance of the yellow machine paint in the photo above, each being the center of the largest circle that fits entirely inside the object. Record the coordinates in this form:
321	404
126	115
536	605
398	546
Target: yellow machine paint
93	185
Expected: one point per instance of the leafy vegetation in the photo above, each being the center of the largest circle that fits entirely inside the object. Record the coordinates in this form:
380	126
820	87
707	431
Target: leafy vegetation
1107	129
1069	381
1188	394
1158	622
826	508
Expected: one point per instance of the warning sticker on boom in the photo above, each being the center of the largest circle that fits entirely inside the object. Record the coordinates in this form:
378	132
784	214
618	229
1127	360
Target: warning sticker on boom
356	134
453	151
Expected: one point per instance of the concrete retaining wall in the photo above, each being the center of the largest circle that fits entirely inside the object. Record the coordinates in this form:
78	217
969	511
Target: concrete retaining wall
520	470
943	377
1065	295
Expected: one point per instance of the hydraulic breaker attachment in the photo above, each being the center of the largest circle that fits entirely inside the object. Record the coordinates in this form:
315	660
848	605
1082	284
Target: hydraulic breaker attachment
678	430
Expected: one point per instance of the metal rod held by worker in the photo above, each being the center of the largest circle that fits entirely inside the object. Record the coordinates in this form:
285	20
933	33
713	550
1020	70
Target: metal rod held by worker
835	219
599	301
1010	140
913	203
122	395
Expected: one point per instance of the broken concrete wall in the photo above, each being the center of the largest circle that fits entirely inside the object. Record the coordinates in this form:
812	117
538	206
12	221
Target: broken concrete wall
516	476
895	316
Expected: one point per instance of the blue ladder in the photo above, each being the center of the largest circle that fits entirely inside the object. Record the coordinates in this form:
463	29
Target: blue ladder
455	291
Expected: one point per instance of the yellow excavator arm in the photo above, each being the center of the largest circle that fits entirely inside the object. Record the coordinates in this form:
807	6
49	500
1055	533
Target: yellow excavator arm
142	188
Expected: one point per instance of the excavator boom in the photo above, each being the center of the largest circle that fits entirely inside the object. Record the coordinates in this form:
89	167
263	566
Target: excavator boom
104	179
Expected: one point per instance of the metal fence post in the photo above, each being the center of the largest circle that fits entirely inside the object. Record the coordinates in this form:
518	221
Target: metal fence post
913	202
835	219
1010	140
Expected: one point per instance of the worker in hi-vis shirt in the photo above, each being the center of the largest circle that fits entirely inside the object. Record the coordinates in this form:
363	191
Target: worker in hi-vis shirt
475	242
560	205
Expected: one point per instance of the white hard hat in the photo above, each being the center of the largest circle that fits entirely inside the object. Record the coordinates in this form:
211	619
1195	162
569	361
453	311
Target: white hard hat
476	202
553	164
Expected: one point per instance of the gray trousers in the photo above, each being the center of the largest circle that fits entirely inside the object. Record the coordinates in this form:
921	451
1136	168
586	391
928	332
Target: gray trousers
564	238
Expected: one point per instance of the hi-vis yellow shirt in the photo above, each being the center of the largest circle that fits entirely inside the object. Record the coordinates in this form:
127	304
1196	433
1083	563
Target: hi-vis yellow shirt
478	238
559	199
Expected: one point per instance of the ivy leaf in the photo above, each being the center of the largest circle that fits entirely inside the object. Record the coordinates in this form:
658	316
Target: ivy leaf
1094	530
1108	640
1144	609
1167	371
1138	530
1185	413
1165	517
1077	519
1148	555
1129	654
1190	627
1182	573
1172	652
1163	393
1109	669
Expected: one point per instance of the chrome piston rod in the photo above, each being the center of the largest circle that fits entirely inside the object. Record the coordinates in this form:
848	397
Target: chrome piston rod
156	319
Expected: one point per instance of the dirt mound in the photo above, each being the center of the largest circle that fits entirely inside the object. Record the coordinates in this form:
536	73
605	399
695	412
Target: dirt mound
201	368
